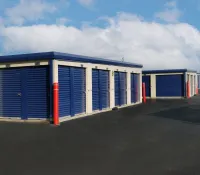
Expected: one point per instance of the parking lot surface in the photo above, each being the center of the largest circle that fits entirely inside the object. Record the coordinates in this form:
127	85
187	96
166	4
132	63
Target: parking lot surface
157	138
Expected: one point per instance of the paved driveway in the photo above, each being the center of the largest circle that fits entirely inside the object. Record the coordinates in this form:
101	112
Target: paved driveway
157	138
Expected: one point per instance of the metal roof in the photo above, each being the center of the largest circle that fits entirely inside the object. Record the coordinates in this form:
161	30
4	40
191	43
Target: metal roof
167	71
64	56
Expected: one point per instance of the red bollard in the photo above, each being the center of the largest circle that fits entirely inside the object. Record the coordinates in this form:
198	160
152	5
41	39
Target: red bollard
144	92
188	89
55	104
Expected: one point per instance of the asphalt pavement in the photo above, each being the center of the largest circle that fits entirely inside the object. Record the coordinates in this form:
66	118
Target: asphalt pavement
161	137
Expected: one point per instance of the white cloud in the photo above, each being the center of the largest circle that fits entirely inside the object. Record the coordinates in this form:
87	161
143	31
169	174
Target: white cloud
28	10
170	14
62	21
86	3
153	44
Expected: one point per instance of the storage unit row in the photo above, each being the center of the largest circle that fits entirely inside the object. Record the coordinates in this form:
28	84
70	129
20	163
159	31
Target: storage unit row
169	83
85	85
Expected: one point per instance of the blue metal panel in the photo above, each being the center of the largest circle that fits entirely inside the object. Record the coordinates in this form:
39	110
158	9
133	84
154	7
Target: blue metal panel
170	85
10	93
95	90
100	89
36	101
198	78
167	71
147	80
64	56
51	90
120	88
79	91
104	89
123	88
117	89
72	99
64	91
134	88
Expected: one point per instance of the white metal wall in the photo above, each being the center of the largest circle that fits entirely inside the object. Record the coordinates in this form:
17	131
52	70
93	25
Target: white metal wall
112	69
193	82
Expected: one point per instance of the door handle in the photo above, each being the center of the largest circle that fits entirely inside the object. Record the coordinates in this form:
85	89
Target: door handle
19	94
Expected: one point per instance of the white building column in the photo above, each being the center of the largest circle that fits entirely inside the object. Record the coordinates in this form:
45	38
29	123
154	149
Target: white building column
88	89
153	85
128	81
55	71
112	88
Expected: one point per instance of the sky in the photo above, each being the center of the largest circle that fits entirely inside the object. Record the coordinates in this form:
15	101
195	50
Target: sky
160	34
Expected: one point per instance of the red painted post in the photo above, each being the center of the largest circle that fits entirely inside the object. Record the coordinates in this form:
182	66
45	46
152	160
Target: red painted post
144	92
188	89
55	104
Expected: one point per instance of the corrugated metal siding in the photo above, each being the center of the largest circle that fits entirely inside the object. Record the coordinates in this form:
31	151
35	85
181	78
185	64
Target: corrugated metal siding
24	92
104	89
37	96
147	80
64	91
95	90
135	88
192	84
120	88
170	85
10	93
72	99
198	79
100	89
79	94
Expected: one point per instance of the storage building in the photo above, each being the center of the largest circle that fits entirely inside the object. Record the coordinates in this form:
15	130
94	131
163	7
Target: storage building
170	83
59	86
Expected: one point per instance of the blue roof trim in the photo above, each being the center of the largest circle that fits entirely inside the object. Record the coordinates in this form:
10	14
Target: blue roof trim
167	71
66	57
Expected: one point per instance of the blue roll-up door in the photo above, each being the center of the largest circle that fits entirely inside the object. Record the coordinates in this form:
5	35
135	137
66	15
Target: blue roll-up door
170	85
135	87
198	79
72	99
100	89
147	80
36	98
24	92
120	88
10	93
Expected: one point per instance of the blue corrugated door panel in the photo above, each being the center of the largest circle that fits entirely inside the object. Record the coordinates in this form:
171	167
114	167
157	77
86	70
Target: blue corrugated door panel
36	94
198	81
72	96
64	91
147	80
134	88
104	89
191	84
123	88
79	94
170	85
100	89
95	90
117	89
10	92
120	88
